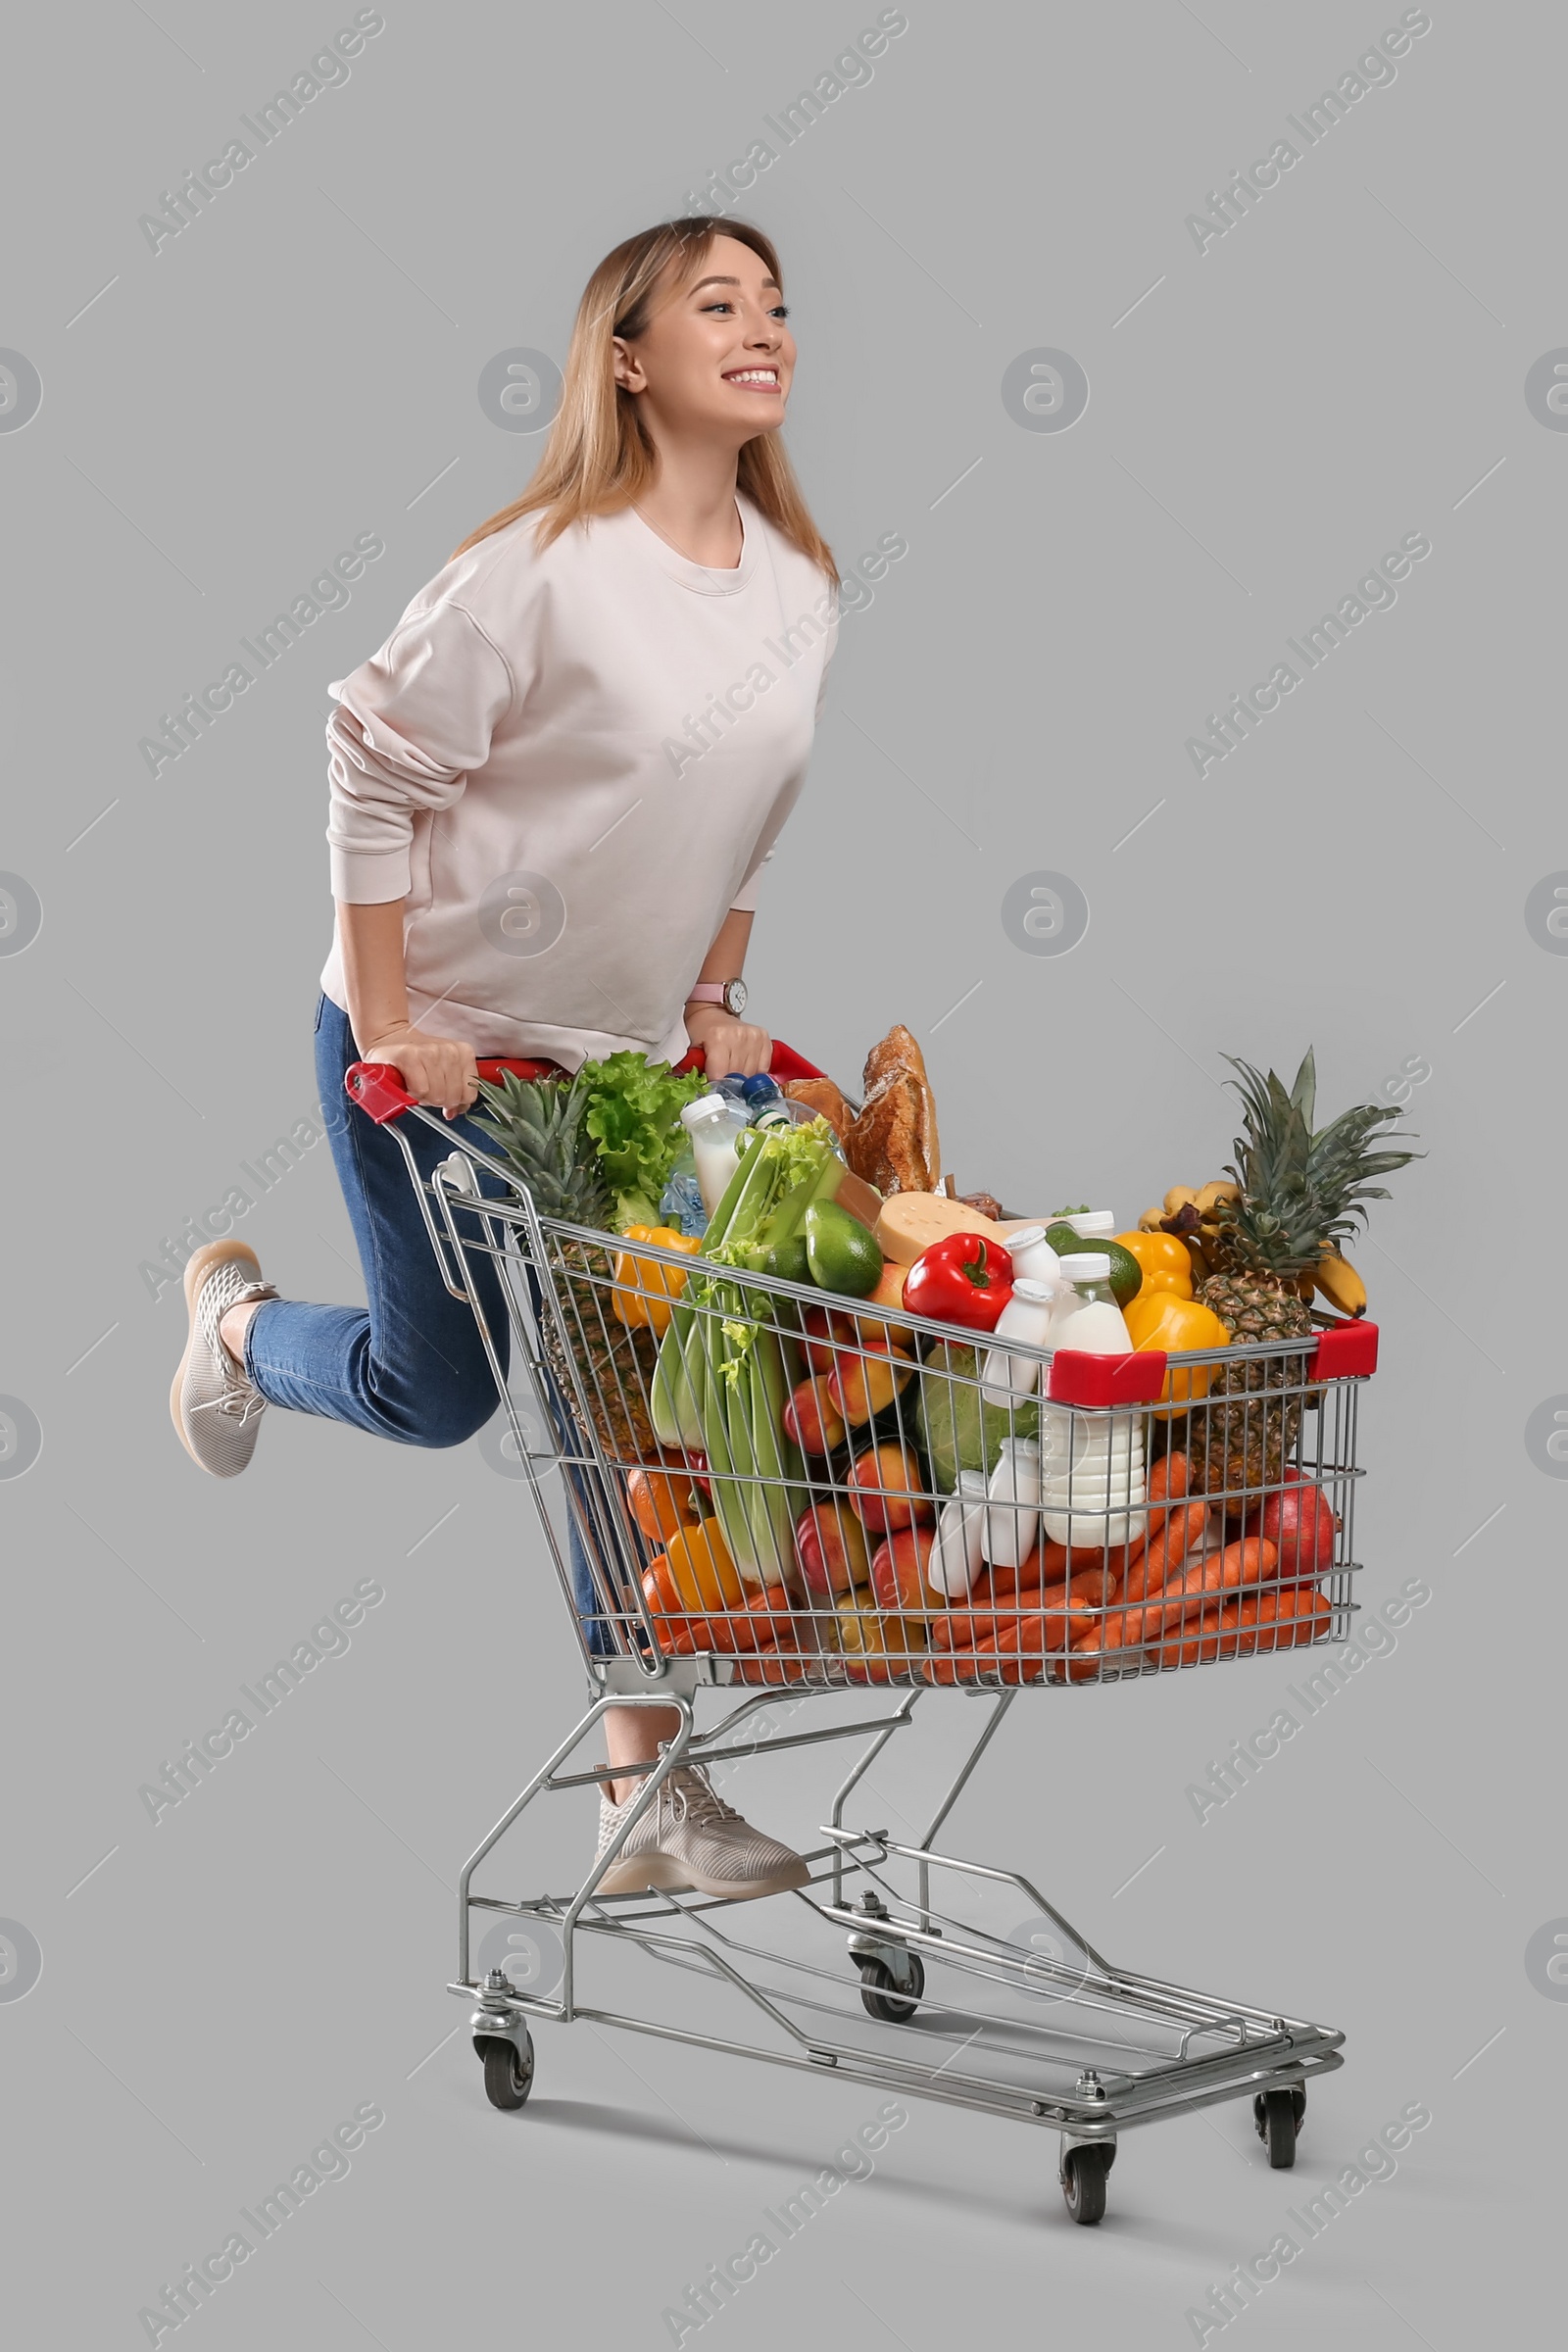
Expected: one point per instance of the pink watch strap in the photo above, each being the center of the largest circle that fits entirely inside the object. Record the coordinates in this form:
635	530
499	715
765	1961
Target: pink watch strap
707	992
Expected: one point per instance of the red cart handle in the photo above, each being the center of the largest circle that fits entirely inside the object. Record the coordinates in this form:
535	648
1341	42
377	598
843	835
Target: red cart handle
381	1095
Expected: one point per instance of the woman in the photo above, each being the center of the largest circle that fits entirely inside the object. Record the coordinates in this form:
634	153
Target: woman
553	791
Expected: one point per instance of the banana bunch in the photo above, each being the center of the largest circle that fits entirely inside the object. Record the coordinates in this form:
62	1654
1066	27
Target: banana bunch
1340	1282
1199	1218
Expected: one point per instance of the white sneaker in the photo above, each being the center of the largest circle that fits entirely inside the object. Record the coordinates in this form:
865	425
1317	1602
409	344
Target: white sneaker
690	1840
216	1407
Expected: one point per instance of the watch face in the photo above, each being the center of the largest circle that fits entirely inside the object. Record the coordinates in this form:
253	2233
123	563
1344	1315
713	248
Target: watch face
735	998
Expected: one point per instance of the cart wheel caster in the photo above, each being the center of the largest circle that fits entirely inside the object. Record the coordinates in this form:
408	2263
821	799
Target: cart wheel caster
507	2075
1277	2115
885	1999
1083	2182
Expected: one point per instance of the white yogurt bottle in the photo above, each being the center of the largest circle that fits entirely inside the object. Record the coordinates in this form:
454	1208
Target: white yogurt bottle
1006	1378
1092	1224
1013	1504
1031	1253
1094	1489
956	1554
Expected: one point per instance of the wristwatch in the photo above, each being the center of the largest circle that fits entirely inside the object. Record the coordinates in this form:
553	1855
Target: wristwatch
731	994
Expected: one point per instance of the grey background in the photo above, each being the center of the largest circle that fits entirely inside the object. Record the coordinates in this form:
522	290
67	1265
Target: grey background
301	365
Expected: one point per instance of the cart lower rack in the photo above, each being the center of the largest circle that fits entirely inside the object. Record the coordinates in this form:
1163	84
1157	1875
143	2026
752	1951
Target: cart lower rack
893	1513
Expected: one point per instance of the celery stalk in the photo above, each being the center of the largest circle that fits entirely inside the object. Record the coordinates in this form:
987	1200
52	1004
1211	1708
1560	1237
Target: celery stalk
773	1508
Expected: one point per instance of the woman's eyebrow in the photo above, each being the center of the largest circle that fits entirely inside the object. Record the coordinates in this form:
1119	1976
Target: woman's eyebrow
729	281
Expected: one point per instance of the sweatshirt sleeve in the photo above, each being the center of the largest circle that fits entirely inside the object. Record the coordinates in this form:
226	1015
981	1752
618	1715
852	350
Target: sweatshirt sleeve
409	726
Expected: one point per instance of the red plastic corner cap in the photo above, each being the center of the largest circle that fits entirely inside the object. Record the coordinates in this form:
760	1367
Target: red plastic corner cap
1099	1380
1346	1351
378	1091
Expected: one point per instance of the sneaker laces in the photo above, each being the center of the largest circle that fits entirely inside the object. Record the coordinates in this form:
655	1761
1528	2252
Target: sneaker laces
694	1798
240	1398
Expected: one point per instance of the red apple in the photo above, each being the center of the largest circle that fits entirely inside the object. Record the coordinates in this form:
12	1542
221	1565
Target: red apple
897	1575
830	1545
1299	1522
813	1419
887	1490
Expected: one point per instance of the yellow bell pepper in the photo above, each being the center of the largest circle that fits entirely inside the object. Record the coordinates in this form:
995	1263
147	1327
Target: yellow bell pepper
1179	1326
1166	1262
644	1289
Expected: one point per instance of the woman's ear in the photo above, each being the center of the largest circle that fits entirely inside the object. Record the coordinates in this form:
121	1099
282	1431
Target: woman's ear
629	373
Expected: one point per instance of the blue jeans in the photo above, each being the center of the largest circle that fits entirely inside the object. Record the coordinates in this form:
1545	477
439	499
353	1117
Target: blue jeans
412	1367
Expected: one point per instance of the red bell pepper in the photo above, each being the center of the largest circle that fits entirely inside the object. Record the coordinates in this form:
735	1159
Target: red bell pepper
962	1278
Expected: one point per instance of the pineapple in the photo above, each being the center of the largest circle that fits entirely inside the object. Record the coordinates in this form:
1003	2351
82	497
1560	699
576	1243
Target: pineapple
539	1129
1299	1196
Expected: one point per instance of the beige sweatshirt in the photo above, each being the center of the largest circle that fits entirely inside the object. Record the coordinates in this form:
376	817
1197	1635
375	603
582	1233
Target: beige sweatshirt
572	764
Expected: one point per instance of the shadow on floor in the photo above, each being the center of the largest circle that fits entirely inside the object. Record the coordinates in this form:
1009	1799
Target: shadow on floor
1029	2211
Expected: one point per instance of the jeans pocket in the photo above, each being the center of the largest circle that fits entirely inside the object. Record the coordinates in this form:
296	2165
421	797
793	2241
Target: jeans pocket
320	1007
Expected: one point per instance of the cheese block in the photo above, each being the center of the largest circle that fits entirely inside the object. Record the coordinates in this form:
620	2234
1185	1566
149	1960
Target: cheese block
910	1222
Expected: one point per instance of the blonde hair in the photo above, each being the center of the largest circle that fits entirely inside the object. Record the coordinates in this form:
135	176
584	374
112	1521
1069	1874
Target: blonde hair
600	455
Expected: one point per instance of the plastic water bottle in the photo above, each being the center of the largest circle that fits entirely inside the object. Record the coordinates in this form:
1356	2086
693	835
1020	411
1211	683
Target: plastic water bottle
680	1204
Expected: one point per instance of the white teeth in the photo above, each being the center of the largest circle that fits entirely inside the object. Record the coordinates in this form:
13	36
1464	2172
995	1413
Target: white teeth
752	376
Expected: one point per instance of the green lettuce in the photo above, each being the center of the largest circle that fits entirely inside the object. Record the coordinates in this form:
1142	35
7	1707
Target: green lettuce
633	1115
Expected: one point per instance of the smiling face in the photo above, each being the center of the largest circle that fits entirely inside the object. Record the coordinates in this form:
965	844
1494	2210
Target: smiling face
717	358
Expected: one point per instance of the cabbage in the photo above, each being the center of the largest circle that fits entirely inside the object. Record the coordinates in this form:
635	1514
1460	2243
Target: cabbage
956	1431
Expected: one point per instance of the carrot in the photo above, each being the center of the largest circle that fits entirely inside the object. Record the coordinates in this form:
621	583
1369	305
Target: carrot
1188	1643
961	1666
1166	1551
1221	1572
1049	1619
1016	1657
1167	1484
998	1583
1286	1619
1167	1481
768	1665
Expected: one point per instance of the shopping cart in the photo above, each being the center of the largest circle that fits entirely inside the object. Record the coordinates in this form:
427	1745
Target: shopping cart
898	1964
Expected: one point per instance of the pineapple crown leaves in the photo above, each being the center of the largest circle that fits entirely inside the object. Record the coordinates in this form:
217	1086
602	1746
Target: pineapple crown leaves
1302	1190
539	1128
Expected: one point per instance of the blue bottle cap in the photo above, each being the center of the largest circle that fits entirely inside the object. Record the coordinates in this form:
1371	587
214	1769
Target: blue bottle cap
759	1088
733	1088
